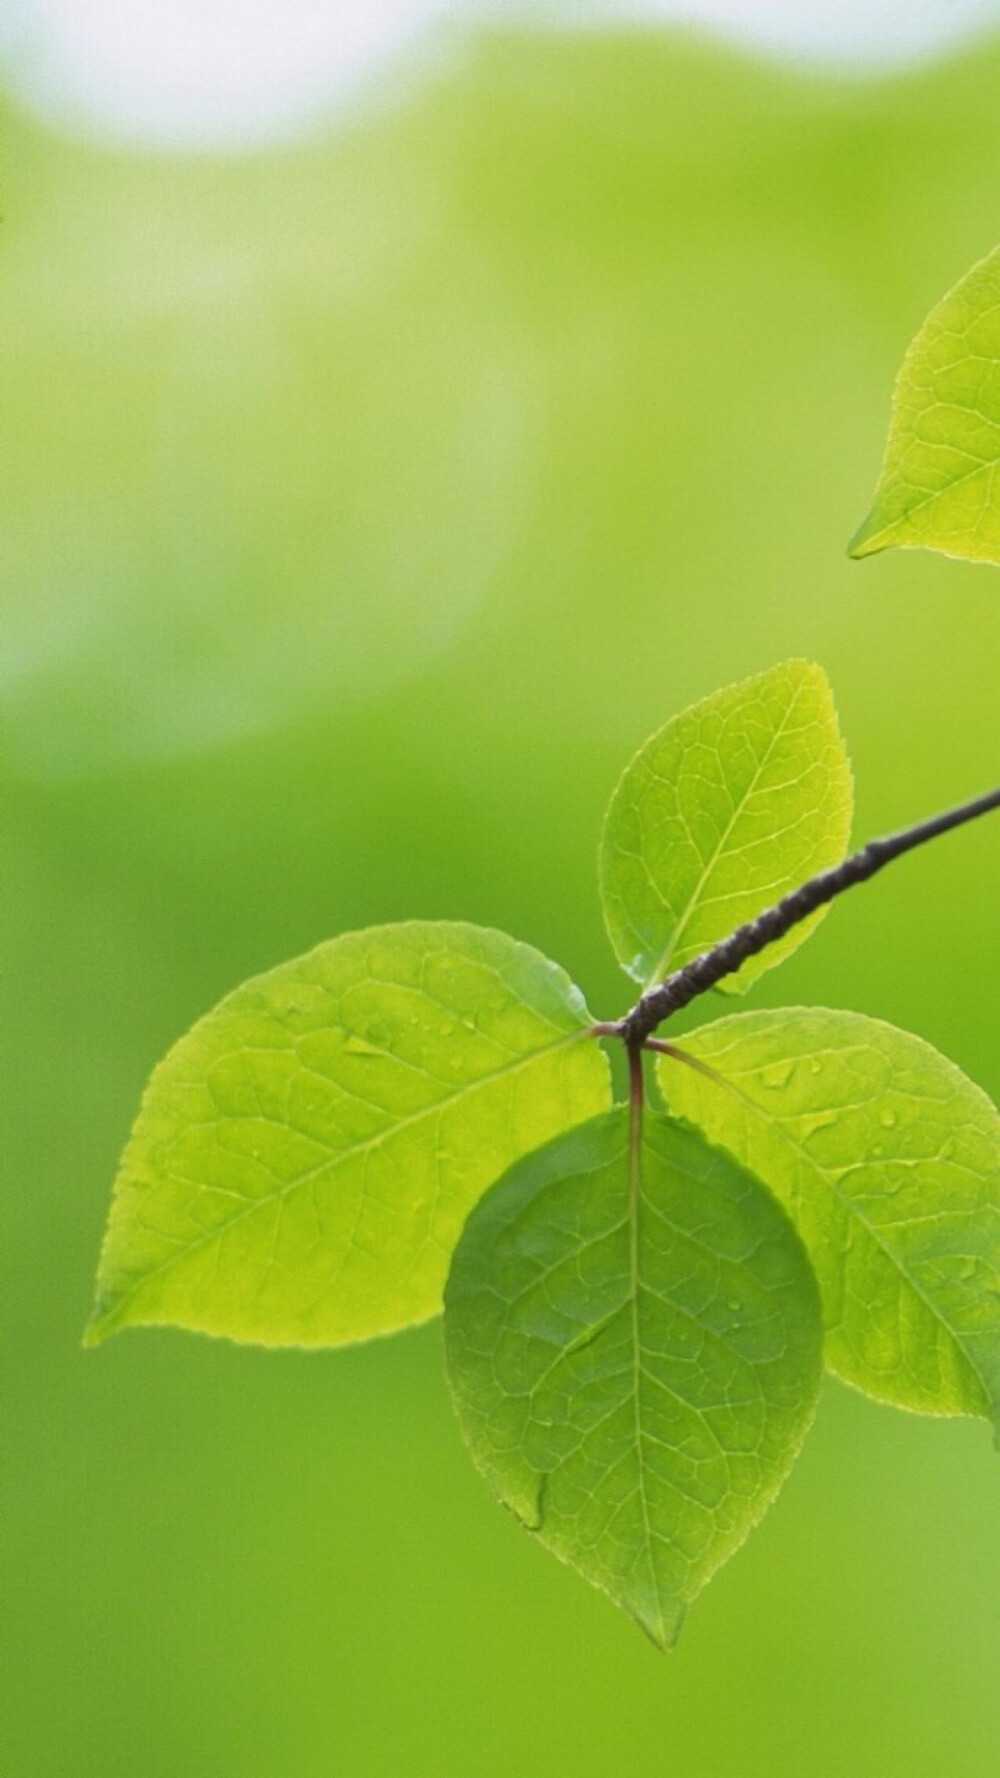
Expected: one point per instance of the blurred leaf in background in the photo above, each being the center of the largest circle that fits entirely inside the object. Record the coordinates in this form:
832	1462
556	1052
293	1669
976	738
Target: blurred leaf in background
365	501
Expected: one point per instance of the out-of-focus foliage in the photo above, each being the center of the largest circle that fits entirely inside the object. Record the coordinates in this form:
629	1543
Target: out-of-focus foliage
364	505
283	430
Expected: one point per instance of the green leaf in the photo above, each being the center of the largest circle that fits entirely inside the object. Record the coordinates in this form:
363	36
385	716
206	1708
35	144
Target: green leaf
734	803
938	487
305	1158
888	1159
634	1350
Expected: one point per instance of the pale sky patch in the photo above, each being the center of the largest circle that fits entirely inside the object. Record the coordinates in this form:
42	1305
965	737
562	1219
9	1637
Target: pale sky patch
217	73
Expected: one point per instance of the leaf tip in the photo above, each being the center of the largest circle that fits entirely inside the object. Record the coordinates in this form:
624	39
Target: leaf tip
870	538
102	1324
662	1626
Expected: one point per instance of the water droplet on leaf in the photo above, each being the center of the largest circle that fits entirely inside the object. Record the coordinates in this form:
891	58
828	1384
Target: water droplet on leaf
819	1120
778	1074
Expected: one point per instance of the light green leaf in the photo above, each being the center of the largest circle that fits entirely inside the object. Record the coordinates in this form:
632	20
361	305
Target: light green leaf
888	1159
938	488
733	804
634	1350
305	1158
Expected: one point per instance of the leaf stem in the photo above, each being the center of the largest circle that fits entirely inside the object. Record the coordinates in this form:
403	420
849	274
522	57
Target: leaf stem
636	1085
695	1062
685	985
636	1101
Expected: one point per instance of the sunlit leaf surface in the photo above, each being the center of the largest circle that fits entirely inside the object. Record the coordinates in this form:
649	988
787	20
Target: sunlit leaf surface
888	1159
304	1159
938	488
733	803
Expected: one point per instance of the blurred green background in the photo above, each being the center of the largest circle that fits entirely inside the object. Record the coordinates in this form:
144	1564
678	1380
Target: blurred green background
366	502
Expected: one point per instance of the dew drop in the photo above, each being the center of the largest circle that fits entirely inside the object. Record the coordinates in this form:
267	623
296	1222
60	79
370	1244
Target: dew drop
820	1120
733	1304
815	1066
777	1074
889	1119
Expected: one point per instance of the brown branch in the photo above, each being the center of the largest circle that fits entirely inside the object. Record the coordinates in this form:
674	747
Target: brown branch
685	985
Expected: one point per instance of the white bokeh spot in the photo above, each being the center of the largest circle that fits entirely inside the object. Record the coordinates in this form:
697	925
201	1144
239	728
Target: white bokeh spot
204	73
854	35
218	73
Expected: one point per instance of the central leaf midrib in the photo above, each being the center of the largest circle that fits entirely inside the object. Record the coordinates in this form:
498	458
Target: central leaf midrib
986	466
635	1198
663	964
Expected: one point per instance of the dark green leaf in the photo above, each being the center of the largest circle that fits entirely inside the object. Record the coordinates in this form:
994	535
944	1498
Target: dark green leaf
634	1347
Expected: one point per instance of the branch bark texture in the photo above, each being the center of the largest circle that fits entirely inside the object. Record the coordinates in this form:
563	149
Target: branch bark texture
704	972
